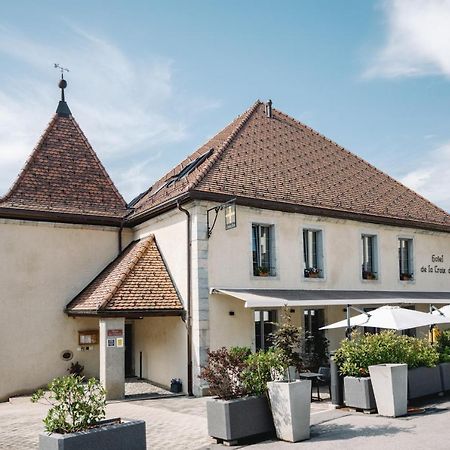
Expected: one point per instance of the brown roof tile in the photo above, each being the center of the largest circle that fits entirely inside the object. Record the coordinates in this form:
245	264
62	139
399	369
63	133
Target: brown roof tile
137	280
281	160
64	175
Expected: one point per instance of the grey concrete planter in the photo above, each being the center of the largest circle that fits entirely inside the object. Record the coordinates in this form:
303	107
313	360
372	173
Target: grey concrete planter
424	381
230	420
112	436
291	409
445	375
390	387
358	393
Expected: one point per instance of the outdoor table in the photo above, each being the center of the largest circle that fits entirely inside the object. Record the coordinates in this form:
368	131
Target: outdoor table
313	376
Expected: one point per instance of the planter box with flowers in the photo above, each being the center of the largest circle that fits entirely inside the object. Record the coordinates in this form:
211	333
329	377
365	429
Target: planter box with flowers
406	276
312	272
76	418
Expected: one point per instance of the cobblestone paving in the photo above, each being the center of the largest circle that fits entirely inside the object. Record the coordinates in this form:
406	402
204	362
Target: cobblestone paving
172	423
133	386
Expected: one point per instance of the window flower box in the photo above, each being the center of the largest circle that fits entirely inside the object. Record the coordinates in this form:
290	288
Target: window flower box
369	275
406	276
312	272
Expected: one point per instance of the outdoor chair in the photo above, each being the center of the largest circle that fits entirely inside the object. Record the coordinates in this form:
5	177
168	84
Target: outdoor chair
323	380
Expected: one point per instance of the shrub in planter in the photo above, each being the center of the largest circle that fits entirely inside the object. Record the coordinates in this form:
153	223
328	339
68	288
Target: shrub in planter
354	357
238	411
75	419
290	400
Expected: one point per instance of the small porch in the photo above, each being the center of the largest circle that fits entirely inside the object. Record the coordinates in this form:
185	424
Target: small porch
141	328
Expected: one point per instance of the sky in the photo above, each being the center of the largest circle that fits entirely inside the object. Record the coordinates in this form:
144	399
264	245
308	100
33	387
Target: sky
150	81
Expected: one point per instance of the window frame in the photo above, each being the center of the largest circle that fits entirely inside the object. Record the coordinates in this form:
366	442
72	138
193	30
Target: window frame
320	253
272	251
375	256
411	263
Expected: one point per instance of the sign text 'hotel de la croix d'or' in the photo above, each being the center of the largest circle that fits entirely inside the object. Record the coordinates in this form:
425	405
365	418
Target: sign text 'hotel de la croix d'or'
437	265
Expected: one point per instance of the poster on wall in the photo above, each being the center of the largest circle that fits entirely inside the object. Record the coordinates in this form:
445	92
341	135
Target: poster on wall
111	342
119	342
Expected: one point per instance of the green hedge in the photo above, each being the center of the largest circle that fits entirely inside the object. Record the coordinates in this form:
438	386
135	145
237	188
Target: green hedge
354	357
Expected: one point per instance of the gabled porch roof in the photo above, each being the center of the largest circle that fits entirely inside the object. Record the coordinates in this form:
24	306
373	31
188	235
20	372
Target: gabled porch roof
136	283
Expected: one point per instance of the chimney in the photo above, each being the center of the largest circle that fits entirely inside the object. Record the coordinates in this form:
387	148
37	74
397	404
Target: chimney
269	109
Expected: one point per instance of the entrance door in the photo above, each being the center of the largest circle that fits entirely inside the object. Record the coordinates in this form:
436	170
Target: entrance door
129	370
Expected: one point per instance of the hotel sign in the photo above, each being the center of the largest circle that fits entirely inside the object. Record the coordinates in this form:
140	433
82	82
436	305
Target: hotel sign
438	265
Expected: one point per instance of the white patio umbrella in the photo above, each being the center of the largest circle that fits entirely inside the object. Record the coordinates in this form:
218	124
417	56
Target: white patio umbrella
391	317
443	312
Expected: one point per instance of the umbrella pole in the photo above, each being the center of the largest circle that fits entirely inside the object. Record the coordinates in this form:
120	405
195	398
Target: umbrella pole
348	332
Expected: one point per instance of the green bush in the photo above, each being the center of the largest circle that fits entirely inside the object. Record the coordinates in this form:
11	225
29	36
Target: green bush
354	357
262	367
76	405
443	346
223	372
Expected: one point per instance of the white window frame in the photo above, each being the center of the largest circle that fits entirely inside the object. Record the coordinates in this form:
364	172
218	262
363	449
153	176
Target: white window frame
320	253
411	258
375	255
273	248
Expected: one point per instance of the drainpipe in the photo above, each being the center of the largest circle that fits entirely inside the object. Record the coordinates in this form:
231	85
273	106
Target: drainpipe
189	298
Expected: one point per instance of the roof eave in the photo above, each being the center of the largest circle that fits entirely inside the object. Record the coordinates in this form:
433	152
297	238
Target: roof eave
60	217
129	313
311	210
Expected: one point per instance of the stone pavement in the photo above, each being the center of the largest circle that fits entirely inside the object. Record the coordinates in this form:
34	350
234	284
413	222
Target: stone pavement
180	423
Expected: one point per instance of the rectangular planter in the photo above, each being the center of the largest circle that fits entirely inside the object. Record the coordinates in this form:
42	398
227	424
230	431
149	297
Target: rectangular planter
390	387
291	409
114	436
445	375
230	420
424	381
358	393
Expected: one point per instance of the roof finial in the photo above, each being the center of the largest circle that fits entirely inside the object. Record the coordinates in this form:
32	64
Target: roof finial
63	109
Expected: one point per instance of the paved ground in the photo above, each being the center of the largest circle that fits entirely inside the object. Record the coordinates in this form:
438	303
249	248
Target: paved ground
180	423
135	387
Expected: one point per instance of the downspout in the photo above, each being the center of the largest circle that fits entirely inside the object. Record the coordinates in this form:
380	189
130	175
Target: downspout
189	298
122	221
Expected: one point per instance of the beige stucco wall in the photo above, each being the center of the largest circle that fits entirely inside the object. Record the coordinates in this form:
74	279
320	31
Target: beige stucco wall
170	233
42	267
230	265
162	341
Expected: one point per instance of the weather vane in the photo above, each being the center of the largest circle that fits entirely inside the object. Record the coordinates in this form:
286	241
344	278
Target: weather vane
62	83
62	69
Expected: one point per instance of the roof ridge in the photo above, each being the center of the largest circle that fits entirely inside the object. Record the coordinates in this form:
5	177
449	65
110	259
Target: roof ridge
298	122
146	243
216	155
99	163
29	160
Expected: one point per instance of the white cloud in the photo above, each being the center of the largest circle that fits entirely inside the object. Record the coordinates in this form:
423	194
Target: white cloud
432	177
418	39
126	107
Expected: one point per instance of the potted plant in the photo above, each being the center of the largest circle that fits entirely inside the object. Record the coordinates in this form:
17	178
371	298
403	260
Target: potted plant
369	275
76	369
176	385
240	409
290	400
443	347
76	418
354	358
263	271
406	276
312	272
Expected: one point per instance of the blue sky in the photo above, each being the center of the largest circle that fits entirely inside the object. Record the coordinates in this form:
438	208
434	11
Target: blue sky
150	81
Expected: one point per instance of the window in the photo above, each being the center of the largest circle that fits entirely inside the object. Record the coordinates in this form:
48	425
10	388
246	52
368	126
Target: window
369	257
314	338
262	247
265	323
312	253
405	254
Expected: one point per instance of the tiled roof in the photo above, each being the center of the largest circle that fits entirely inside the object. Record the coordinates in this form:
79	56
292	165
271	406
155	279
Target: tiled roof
64	175
137	280
281	160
